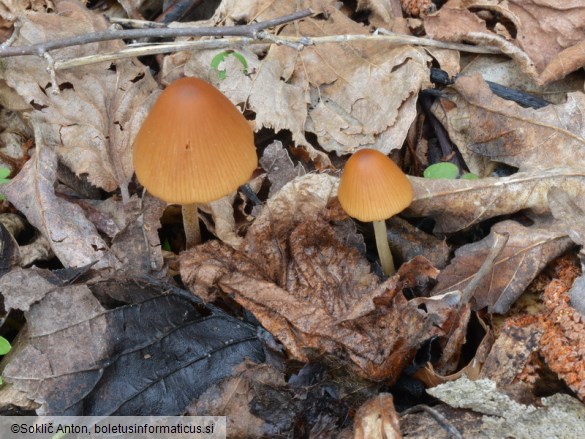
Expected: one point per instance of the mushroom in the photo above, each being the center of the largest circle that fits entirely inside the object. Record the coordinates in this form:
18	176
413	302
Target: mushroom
193	147
374	188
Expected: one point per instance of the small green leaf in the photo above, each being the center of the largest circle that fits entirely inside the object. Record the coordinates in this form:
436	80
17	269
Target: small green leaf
469	176
4	346
166	246
442	170
218	59
4	173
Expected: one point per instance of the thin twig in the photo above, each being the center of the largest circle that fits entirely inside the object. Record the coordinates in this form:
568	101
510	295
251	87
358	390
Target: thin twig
441	420
250	31
137	24
234	42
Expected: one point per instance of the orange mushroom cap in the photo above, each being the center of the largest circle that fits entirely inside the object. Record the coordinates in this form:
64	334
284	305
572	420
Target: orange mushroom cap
373	187
194	146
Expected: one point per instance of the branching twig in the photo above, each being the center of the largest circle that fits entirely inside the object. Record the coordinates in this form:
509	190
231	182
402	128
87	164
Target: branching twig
262	38
250	31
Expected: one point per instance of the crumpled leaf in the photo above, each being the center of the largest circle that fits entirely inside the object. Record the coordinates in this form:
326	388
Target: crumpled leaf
279	167
308	288
540	36
457	204
482	123
528	250
92	121
224	224
90	351
349	95
72	236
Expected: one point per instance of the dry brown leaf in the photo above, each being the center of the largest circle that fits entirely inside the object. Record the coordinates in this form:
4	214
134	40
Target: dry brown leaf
349	95
59	342
566	210
360	96
510	355
566	62
21	288
383	13
308	288
224	223
10	9
233	396
279	167
540	36
528	250
377	419
91	123
72	236
457	204
482	123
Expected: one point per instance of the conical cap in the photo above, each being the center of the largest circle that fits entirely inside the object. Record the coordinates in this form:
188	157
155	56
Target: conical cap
373	187
194	146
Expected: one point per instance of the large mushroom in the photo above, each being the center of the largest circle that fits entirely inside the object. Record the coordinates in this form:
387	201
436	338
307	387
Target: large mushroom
193	147
374	188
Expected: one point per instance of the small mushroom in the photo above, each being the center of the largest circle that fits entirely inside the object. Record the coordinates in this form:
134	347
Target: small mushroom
374	188
193	147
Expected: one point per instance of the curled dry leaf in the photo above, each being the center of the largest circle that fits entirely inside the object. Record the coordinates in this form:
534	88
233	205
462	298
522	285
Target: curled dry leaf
223	223
73	238
528	250
92	119
457	204
377	419
279	167
529	139
308	288
540	36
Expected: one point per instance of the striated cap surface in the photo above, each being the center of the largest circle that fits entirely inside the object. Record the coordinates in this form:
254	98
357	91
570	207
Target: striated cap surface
194	146
373	187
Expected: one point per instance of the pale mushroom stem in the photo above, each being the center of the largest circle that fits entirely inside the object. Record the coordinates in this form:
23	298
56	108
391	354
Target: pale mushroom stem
191	225
383	247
